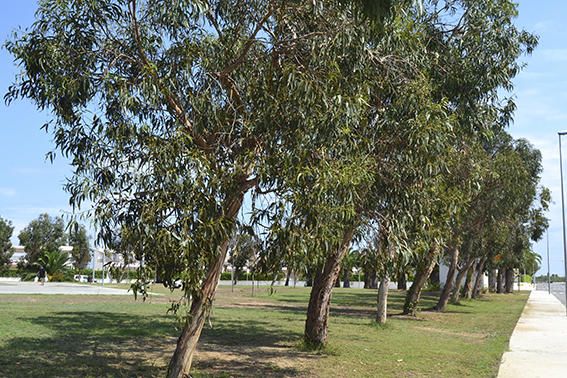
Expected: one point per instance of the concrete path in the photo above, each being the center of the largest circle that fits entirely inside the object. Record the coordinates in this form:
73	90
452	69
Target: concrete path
538	347
57	288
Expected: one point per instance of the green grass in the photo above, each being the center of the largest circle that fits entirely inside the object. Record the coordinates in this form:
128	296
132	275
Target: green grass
104	336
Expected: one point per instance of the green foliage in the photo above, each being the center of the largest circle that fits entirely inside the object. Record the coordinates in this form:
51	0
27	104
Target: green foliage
117	272
79	240
526	278
54	263
10	273
6	230
42	235
243	252
377	122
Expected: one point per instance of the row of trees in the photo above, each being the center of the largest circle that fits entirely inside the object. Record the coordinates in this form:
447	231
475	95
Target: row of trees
377	124
41	239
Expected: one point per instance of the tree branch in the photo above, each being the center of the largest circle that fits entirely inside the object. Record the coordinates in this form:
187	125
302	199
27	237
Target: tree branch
173	103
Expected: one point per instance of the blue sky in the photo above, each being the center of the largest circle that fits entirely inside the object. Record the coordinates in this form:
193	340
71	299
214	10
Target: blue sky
30	185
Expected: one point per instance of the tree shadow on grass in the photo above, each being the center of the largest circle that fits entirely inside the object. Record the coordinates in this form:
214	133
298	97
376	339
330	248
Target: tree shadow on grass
90	344
243	348
106	344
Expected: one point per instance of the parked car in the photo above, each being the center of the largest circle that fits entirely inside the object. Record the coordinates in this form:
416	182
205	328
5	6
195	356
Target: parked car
81	278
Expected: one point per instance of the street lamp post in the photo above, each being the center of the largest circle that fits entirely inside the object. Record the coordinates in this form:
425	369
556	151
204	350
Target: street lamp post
563	214
548	277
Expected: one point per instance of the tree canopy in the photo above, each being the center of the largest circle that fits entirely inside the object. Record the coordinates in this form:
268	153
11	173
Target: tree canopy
41	235
333	120
6	230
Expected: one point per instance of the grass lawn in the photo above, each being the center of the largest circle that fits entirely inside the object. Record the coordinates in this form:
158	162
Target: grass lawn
112	336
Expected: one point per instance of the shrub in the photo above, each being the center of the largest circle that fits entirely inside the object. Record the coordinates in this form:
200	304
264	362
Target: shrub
57	277
10	273
28	276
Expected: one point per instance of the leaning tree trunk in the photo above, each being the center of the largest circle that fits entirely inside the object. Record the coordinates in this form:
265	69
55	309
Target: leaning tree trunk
509	280
456	296
479	278
470	280
449	281
422	273
201	302
382	301
492	280
500	281
320	298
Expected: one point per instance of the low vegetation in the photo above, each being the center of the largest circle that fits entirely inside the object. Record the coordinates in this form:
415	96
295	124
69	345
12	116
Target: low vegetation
260	335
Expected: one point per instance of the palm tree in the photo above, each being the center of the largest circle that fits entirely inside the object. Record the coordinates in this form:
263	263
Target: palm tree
53	262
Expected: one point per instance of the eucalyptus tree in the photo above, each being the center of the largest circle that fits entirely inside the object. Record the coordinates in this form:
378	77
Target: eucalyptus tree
170	113
403	127
478	47
469	171
507	212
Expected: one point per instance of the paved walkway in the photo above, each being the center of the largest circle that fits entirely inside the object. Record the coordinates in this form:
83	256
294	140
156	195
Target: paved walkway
538	347
57	288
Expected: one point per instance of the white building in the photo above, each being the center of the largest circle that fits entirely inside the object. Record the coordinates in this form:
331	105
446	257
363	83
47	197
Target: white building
444	271
20	254
103	257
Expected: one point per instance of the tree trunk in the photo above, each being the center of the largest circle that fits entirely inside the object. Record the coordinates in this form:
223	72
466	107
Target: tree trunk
382	301
309	277
370	279
479	278
338	280
509	280
422	273
492	280
402	280
287	277
456	296
201	302
449	282
346	278
500	281
320	298
434	278
470	280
